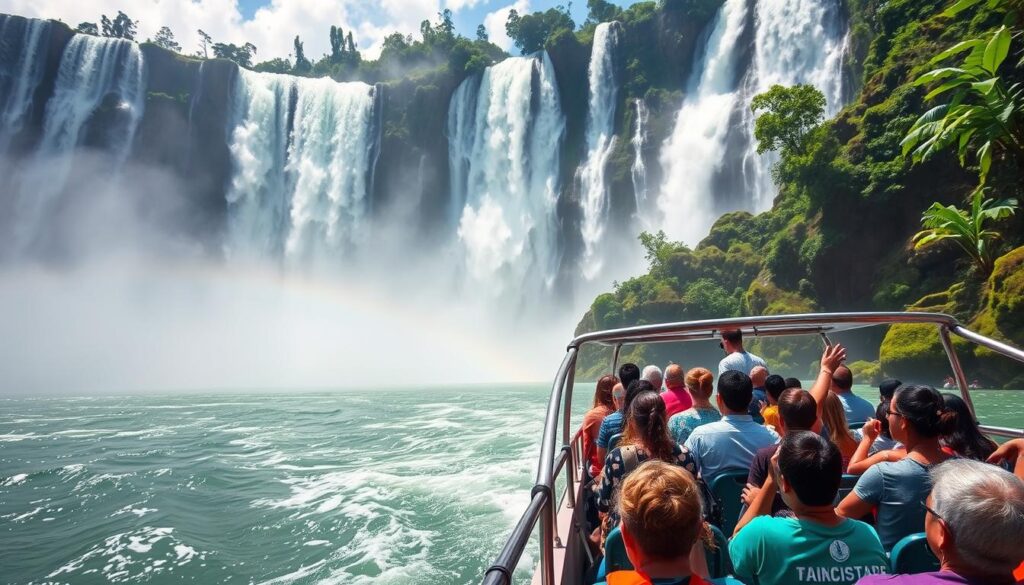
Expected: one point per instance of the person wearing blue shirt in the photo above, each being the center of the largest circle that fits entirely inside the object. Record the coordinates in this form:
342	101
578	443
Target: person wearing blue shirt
731	443
857	409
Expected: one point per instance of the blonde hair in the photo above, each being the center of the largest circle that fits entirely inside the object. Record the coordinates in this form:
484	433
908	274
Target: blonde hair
660	506
700	381
834	417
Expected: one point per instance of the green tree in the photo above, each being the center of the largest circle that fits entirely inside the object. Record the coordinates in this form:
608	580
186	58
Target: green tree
205	42
242	55
967	228
352	45
165	38
599	11
984	114
337	43
790	115
531	31
658	249
274	66
121	27
88	28
481	34
302	64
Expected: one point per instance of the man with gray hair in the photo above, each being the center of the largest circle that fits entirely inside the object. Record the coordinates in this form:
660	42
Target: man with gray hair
974	522
652	374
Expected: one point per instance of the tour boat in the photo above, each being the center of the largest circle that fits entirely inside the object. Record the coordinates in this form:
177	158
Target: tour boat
565	558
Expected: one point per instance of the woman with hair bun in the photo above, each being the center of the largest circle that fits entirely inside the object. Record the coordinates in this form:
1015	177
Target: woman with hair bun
918	418
662	528
646	437
966	439
700	384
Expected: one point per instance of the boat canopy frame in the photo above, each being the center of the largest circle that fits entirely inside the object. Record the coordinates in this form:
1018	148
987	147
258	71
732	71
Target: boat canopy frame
554	459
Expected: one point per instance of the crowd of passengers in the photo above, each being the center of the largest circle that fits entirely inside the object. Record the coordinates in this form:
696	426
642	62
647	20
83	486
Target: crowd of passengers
923	465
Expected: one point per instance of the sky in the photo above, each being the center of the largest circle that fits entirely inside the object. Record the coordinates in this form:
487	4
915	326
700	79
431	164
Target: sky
271	25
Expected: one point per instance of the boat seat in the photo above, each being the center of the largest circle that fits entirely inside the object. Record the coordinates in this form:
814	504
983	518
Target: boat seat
846	486
727	488
912	555
613	441
615	558
719	563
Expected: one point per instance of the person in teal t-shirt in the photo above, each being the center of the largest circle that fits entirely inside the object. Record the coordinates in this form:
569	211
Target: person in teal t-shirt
815	547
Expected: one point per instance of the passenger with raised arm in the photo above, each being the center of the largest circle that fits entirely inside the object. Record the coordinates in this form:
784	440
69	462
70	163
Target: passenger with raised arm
817	546
966	439
737	358
676	395
974	522
857	409
731	443
662	527
646	437
918	416
699	385
604	404
652	374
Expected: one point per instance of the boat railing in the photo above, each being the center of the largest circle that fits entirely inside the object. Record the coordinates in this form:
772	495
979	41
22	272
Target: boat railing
568	457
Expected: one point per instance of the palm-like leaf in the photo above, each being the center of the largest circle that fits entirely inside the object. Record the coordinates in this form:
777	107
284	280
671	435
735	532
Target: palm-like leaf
966	228
983	115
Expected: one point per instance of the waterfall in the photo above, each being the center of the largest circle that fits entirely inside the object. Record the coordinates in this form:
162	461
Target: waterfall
302	151
604	94
505	133
639	169
22	57
710	160
97	77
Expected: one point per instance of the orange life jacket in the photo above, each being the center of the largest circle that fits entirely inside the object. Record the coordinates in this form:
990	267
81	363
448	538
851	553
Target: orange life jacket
638	578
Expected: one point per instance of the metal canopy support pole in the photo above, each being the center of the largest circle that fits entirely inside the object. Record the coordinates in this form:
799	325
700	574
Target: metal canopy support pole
570	464
545	477
615	358
958	370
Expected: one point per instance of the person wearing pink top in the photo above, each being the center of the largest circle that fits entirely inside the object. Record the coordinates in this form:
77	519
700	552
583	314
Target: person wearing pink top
677	398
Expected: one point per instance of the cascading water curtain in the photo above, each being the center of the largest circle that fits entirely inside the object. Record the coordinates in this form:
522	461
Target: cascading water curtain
93	70
604	95
300	193
710	160
505	169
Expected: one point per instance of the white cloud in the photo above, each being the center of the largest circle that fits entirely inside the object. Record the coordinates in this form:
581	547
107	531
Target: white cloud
457	5
495	21
272	28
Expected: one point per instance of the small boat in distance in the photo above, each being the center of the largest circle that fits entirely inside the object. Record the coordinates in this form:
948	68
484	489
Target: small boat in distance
565	557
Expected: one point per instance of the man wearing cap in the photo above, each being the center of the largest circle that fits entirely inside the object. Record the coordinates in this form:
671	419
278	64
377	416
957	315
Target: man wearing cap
887	388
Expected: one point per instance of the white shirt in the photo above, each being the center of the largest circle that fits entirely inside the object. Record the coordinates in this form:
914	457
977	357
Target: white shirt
740	361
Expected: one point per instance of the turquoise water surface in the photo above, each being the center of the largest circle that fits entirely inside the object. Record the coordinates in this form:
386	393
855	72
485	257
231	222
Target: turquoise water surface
390	486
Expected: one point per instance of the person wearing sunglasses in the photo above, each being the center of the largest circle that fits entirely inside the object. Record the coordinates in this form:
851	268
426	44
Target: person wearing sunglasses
918	418
974	523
